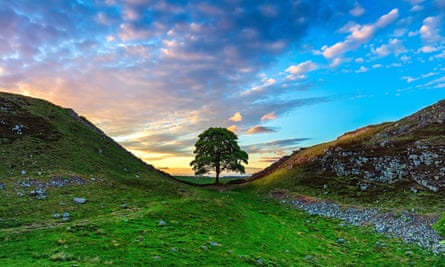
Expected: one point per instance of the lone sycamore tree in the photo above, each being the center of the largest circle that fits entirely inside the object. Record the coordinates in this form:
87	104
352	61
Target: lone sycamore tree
217	150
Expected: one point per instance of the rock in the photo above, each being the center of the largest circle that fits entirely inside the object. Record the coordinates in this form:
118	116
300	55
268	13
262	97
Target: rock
174	250
379	244
38	193
340	241
57	215
66	214
308	258
363	187
204	248
124	206
23	172
79	200
2	186
213	243
17	129
162	223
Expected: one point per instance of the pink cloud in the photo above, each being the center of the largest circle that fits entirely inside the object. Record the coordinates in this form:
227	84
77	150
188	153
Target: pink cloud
359	34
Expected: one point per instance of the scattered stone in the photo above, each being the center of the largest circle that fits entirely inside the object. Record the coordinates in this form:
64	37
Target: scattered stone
380	228
410	227
204	248
308	257
413	189
20	194
23	172
124	206
38	193
174	250
379	244
260	262
363	187
213	243
57	216
340	241
17	129
79	200
66	216
162	223
2	186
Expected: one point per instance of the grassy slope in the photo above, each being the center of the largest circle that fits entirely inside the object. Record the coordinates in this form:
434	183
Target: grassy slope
249	229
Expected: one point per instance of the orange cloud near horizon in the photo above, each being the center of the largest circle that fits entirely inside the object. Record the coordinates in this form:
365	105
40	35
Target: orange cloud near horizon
237	117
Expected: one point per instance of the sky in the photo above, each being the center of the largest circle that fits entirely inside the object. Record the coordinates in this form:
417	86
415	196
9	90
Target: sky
280	74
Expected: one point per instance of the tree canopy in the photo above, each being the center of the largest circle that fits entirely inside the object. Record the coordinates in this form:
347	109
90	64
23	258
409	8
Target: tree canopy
217	150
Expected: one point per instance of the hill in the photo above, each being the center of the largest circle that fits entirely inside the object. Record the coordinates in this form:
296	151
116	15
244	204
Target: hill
49	154
398	164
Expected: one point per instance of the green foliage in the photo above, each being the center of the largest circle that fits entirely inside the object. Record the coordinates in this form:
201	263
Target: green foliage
217	150
440	225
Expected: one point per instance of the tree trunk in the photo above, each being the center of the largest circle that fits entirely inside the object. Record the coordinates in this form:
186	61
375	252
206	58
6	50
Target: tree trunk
217	177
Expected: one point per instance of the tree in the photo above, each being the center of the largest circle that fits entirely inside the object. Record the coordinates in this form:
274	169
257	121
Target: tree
217	150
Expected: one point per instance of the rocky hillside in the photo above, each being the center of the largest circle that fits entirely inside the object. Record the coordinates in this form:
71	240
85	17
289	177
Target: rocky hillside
409	152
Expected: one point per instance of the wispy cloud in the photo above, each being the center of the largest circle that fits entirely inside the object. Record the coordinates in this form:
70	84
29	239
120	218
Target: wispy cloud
260	129
268	116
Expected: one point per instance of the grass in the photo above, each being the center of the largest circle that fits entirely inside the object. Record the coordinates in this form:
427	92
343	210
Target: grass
208	228
204	180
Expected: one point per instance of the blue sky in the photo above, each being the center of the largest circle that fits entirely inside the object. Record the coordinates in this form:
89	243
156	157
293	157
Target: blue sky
281	74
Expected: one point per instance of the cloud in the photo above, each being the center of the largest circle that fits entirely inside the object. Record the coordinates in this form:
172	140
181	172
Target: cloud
394	46
430	29
299	71
428	49
359	34
357	11
233	128
236	117
275	145
260	129
269	116
362	69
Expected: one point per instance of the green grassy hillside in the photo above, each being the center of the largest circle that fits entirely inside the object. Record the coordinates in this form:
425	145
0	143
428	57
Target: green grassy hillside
134	215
